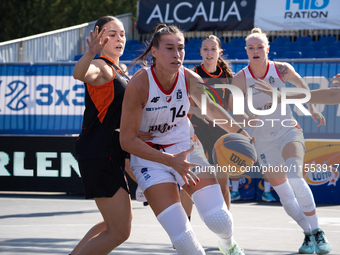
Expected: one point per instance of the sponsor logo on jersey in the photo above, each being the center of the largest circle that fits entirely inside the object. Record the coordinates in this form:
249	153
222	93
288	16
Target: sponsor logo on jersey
179	94
263	157
271	80
154	100
150	109
161	128
145	173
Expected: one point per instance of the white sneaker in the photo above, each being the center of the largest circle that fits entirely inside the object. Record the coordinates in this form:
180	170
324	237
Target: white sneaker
233	250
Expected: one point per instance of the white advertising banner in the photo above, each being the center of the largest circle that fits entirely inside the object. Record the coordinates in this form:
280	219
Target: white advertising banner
41	95
274	15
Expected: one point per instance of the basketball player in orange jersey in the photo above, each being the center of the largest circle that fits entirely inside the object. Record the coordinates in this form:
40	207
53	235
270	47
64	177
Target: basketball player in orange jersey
157	101
100	156
281	146
213	70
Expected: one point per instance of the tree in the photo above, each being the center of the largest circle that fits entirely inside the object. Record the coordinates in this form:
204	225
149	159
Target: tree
20	18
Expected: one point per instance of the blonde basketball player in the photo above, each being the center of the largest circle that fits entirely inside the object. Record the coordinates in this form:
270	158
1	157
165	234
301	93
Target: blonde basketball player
279	146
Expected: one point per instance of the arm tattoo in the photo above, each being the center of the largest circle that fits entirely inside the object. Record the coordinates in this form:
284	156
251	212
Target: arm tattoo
282	69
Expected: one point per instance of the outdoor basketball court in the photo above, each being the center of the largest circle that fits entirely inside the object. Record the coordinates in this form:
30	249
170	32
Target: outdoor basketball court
53	223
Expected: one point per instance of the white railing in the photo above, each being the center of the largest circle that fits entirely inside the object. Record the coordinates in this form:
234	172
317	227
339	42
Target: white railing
59	45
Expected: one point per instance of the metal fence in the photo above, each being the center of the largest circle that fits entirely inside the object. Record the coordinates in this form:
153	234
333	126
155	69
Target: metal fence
227	35
59	45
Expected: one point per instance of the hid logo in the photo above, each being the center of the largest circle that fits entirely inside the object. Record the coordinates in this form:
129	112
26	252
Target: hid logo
307	4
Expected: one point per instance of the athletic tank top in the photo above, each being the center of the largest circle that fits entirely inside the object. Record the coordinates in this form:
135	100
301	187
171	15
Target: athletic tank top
220	95
165	113
205	131
271	125
99	137
218	77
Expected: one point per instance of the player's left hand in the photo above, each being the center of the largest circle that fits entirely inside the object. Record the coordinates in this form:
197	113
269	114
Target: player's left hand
336	80
267	89
318	117
145	136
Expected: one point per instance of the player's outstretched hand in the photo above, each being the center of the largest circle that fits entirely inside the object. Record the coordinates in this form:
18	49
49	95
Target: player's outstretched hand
319	118
97	43
336	81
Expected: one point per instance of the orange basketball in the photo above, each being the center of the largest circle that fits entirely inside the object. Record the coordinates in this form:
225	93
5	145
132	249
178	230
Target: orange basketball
234	154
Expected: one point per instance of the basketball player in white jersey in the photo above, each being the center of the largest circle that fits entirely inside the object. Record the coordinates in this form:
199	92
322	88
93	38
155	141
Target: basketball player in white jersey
157	101
278	145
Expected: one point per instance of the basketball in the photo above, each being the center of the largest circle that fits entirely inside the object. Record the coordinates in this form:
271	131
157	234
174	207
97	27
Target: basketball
234	154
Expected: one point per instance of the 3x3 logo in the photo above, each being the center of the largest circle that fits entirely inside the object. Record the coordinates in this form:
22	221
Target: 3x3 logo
17	94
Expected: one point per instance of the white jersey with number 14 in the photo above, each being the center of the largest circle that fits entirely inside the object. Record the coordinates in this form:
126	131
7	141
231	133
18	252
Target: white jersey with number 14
165	113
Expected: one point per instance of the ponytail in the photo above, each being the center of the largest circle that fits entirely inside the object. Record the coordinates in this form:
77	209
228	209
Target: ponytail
161	29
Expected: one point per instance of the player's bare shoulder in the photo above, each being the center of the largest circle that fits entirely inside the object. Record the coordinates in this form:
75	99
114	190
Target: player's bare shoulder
139	85
240	74
192	78
104	68
285	69
140	75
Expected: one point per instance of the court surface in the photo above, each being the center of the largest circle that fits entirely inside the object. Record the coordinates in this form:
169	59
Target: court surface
39	223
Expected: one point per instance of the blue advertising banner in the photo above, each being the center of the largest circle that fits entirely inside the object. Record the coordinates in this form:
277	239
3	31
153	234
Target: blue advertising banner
259	187
247	187
40	99
47	100
196	15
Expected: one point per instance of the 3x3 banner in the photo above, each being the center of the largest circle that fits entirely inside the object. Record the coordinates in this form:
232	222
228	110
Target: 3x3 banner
229	15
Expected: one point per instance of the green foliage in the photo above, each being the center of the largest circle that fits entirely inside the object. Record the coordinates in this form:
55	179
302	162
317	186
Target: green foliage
20	18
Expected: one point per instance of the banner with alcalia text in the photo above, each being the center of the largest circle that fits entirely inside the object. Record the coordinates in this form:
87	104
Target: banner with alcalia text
230	15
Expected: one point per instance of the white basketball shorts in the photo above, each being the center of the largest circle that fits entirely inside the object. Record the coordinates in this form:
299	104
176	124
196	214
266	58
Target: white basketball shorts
270	152
149	173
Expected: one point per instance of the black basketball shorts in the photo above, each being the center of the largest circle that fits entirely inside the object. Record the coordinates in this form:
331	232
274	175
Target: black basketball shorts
102	177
